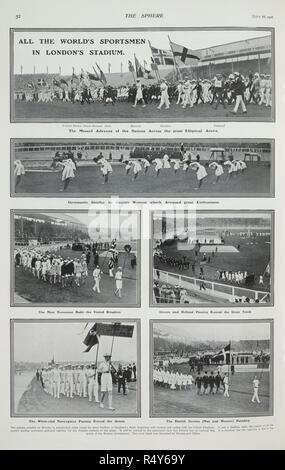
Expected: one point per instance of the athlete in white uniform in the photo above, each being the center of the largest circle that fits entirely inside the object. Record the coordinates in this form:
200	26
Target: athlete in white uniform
201	172
97	277
255	384
19	170
119	282
218	170
139	94
68	172
164	98
106	381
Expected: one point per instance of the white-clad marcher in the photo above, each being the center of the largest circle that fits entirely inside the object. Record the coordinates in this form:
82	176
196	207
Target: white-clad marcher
106	381
255	384
164	98
97	278
119	282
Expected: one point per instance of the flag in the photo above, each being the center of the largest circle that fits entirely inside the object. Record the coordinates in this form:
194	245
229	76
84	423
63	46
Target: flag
31	85
139	68
63	82
153	65
92	76
223	355
102	75
131	67
92	338
184	54
161	56
41	82
55	82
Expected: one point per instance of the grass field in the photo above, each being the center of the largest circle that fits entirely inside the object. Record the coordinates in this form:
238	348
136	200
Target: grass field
35	402
88	180
32	111
251	257
175	403
40	292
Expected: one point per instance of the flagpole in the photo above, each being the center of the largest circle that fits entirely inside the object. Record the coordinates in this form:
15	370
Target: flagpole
135	65
97	352
97	74
133	74
178	73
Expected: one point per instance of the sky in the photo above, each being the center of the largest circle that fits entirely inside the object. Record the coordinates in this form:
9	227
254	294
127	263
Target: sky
159	39
41	341
216	331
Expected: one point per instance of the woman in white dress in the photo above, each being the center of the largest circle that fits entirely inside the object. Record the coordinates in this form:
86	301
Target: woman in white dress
218	170
200	172
166	162
158	165
19	170
68	172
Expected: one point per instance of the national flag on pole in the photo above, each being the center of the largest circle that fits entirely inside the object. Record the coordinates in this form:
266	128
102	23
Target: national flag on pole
92	338
153	65
41	82
63	82
130	66
161	56
102	75
139	69
223	355
184	54
92	76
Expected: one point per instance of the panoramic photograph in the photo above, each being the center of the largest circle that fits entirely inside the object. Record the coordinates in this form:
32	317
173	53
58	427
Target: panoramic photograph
145	75
152	167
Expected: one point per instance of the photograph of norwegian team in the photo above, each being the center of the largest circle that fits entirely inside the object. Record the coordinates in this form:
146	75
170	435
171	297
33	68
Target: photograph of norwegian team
69	368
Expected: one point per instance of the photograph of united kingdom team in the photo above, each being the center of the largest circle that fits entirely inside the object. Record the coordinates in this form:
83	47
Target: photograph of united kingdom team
148	75
217	257
213	368
75	368
75	257
147	167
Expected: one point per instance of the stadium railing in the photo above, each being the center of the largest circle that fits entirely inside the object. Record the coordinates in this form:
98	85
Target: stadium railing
213	289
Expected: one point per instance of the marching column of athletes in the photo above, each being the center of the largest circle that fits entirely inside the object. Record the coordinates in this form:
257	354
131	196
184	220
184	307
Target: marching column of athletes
87	380
204	384
46	264
235	89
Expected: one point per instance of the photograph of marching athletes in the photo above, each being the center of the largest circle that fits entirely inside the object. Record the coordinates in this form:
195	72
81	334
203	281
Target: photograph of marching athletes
215	368
157	167
211	258
76	257
75	368
142	75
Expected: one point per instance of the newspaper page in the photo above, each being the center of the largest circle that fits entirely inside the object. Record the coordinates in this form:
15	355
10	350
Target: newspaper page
141	187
